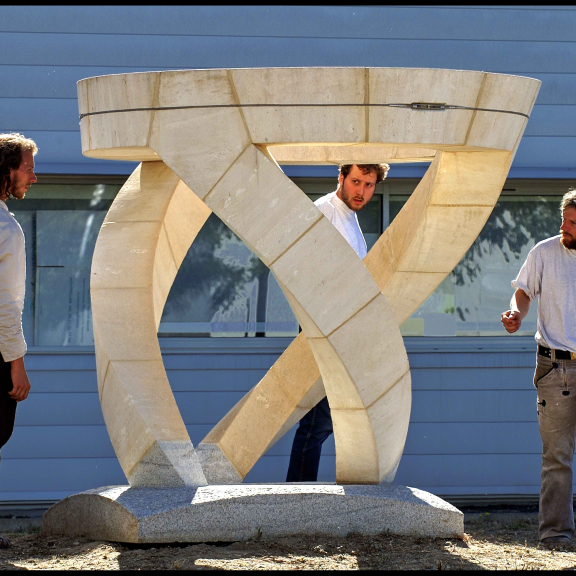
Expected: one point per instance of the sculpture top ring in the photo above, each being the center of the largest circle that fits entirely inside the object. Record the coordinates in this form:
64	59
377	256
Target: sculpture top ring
209	140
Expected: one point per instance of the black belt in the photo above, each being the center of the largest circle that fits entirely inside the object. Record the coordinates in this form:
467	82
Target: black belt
560	354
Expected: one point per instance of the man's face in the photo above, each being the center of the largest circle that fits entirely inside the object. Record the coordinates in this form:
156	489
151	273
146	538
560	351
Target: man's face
357	188
24	177
568	228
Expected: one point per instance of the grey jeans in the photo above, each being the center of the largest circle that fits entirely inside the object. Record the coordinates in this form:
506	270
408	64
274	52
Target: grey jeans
555	381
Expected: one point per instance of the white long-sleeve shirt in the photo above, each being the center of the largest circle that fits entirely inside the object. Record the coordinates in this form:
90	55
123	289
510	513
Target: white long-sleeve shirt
345	221
12	286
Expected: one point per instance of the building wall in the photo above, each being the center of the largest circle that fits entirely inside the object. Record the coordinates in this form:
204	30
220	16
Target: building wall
473	427
47	49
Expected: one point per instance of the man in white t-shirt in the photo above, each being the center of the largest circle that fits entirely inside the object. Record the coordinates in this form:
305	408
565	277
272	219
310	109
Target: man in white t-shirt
356	185
549	273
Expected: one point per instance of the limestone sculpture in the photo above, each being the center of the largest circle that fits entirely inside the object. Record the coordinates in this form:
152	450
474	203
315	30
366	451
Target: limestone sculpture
209	140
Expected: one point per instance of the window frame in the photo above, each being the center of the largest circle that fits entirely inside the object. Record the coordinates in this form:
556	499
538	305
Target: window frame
276	345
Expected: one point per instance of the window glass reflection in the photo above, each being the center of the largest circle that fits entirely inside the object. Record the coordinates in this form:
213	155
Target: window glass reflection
470	300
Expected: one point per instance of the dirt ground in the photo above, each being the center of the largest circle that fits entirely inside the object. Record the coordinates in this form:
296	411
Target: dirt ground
491	542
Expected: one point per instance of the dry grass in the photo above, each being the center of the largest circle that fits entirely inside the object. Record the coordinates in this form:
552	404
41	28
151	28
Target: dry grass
501	544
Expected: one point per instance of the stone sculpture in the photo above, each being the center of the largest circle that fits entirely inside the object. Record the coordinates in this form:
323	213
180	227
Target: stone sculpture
209	140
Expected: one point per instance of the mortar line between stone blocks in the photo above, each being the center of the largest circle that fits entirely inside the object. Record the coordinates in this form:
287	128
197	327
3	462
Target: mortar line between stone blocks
237	100
155	104
517	143
295	241
169	244
366	108
104	380
355	313
224	174
88	108
389	389
471	123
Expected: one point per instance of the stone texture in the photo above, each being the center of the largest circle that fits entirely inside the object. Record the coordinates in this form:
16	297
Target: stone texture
349	310
132	271
241	512
325	86
261	205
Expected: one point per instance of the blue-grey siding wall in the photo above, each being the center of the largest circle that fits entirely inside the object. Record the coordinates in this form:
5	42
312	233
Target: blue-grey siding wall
45	50
473	427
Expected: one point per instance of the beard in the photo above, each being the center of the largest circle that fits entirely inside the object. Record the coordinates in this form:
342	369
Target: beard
347	199
12	190
568	242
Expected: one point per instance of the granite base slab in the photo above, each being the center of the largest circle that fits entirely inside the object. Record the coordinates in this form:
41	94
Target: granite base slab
229	513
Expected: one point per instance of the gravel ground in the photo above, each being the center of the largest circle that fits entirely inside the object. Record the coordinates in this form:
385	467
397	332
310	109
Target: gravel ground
492	542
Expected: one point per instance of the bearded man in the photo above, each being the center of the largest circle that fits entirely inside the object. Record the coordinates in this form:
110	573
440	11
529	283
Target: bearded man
356	185
16	176
550	274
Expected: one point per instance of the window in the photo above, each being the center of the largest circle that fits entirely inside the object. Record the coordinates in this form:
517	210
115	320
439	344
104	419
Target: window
61	222
470	300
222	288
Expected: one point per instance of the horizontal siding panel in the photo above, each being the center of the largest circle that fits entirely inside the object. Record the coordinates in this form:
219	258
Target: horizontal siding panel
472	378
57	409
225	52
484	23
30	442
446	360
60	474
473	438
556	89
552	121
478	470
214	380
474	406
61	361
45	381
27	114
546	152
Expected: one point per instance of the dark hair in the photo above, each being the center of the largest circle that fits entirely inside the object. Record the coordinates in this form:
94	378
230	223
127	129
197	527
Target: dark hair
11	148
380	169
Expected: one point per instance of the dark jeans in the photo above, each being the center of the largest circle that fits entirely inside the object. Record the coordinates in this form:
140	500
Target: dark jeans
7	404
314	428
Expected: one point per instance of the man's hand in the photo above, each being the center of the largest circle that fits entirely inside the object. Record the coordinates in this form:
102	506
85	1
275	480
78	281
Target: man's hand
511	319
20	380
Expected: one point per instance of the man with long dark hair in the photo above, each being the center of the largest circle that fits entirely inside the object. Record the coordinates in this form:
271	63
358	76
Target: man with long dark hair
16	176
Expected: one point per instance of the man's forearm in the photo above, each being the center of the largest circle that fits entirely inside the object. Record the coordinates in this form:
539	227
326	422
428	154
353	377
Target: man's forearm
520	303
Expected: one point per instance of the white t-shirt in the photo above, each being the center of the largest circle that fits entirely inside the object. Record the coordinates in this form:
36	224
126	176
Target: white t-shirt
550	273
345	221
